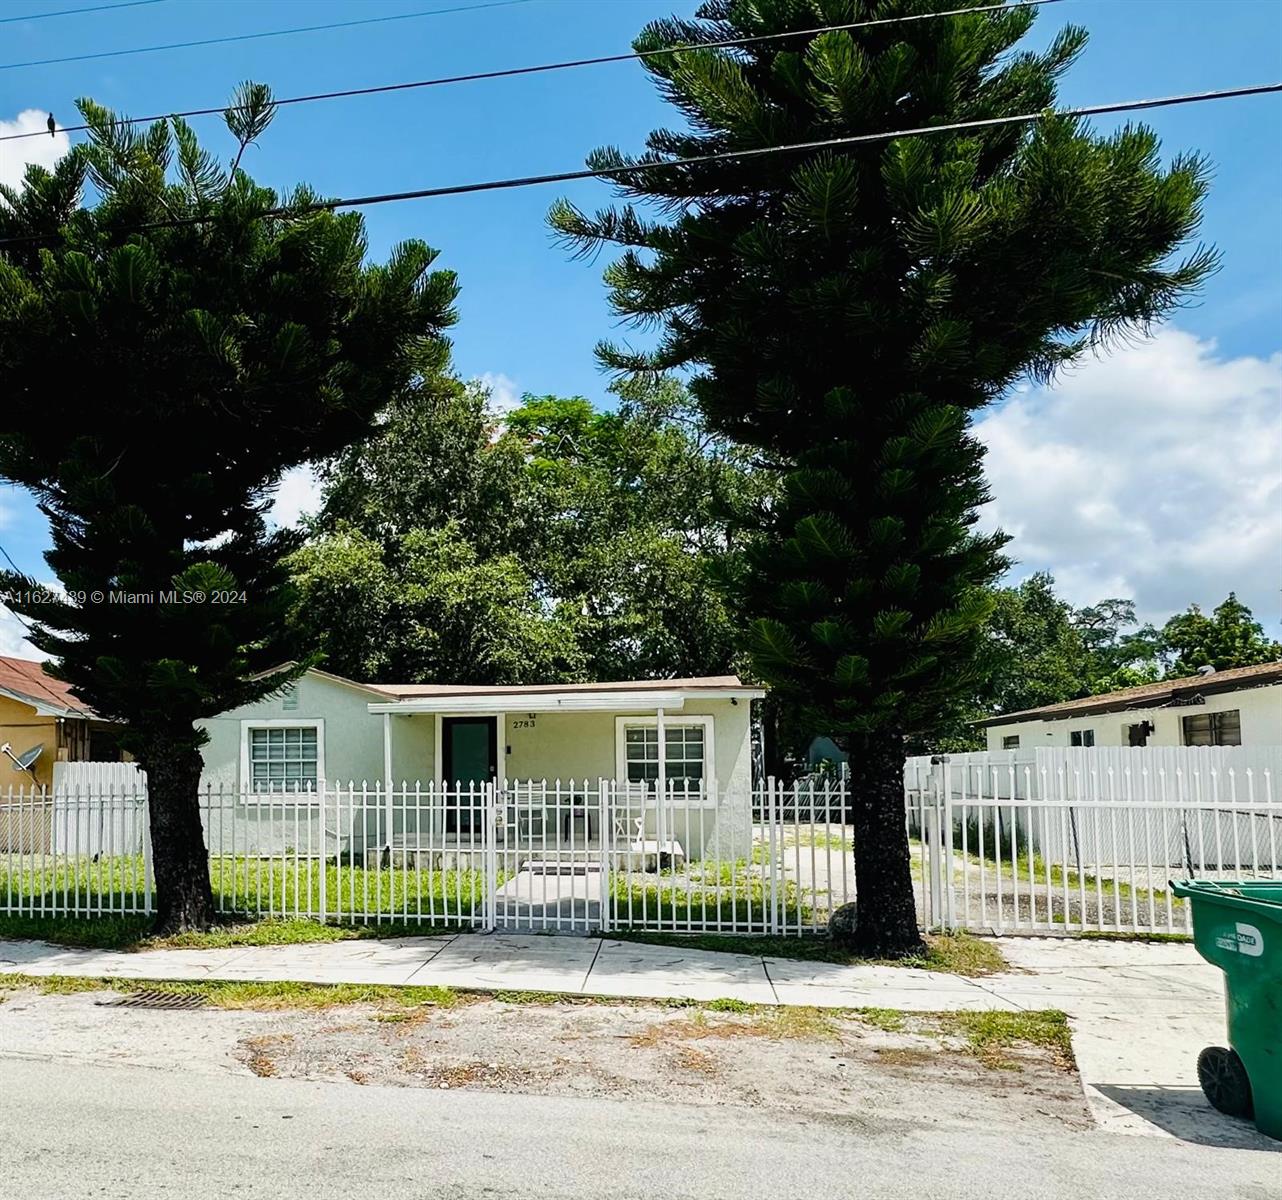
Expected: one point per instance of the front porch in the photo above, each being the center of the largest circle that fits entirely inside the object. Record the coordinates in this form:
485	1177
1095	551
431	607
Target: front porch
576	770
546	826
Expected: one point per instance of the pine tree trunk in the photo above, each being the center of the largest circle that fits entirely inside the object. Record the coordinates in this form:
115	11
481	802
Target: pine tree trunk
886	925
180	861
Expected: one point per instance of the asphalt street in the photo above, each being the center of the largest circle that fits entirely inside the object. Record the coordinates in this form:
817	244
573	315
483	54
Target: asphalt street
73	1129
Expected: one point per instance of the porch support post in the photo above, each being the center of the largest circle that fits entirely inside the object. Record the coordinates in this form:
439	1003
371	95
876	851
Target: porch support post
387	781
661	783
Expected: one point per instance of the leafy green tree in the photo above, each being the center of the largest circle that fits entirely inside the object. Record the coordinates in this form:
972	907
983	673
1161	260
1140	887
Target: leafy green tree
1229	637
1037	649
637	506
1117	659
611	520
426	606
1035	654
166	354
434	457
848	310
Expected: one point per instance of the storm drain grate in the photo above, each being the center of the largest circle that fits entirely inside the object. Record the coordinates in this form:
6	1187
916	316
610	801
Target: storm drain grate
149	998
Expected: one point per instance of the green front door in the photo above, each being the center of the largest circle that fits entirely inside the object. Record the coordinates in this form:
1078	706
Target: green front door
469	750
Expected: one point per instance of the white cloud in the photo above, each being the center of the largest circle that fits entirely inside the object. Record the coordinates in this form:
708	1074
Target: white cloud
299	495
1154	473
504	395
45	150
13	637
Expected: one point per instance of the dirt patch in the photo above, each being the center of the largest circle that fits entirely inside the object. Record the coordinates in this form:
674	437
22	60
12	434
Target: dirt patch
779	1059
259	1053
858	1070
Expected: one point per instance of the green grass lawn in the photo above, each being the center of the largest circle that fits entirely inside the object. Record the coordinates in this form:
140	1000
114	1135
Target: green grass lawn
114	889
268	887
1035	871
954	953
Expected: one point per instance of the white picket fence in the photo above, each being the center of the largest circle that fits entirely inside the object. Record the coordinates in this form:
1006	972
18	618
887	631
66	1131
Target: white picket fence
572	856
1072	840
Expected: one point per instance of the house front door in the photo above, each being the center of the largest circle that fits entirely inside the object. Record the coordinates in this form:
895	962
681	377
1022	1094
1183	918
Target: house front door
469	753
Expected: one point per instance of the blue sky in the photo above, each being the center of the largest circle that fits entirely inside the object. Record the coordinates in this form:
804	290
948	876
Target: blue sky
528	316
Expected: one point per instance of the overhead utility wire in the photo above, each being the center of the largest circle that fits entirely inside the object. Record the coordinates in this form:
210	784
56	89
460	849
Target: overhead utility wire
542	68
71	12
495	185
270	33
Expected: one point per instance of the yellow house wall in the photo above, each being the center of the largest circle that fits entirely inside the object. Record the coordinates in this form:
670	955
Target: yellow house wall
23	728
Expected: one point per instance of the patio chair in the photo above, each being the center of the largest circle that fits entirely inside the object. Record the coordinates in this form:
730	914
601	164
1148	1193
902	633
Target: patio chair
644	848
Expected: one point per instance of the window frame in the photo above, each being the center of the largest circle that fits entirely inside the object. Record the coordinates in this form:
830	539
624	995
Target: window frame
1010	741
1214	718
708	724
1082	735
249	795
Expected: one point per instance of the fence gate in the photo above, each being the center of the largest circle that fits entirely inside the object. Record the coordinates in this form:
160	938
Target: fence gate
1075	840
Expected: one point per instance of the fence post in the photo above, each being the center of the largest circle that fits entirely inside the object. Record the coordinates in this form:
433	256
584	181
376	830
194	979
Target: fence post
146	853
491	857
950	875
772	821
605	828
324	857
931	837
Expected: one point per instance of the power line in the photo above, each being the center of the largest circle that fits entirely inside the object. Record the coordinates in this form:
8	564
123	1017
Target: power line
270	33
494	185
567	64
71	12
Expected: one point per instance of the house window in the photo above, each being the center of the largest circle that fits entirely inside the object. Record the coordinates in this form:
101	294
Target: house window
1011	742
685	758
1213	729
284	758
1082	737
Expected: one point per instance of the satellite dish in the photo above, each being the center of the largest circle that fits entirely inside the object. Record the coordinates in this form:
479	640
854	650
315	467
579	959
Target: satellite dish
27	759
24	761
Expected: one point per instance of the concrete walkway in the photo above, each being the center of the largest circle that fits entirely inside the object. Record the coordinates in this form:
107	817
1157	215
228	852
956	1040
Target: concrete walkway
1140	1012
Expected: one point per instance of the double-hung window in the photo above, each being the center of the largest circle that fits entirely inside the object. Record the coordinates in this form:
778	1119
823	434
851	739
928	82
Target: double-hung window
685	759
283	759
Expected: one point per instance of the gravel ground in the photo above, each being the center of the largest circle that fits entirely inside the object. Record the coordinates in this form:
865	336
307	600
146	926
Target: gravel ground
840	1068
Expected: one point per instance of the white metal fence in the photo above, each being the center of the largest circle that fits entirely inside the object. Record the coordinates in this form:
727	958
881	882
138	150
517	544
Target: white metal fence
1022	841
1087	839
531	855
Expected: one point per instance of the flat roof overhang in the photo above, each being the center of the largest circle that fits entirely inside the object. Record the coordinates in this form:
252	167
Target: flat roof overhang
488	703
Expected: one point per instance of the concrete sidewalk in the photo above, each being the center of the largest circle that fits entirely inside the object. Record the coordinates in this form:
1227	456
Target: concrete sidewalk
1140	1012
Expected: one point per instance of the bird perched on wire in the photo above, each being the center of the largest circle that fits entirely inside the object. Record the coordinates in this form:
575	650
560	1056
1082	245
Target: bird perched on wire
53	125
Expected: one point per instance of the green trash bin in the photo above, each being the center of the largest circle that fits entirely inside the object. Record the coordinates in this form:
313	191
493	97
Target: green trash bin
1238	927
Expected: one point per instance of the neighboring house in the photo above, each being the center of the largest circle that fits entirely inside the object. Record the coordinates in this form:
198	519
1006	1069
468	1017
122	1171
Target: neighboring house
1237	707
41	721
327	730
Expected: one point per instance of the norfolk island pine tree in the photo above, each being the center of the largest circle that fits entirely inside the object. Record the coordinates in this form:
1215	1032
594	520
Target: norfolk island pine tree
159	376
846	313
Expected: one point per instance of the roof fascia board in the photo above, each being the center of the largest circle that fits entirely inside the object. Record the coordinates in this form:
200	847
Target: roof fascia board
541	702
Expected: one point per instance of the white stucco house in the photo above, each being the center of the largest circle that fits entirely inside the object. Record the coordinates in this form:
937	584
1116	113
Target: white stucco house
545	749
1237	707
